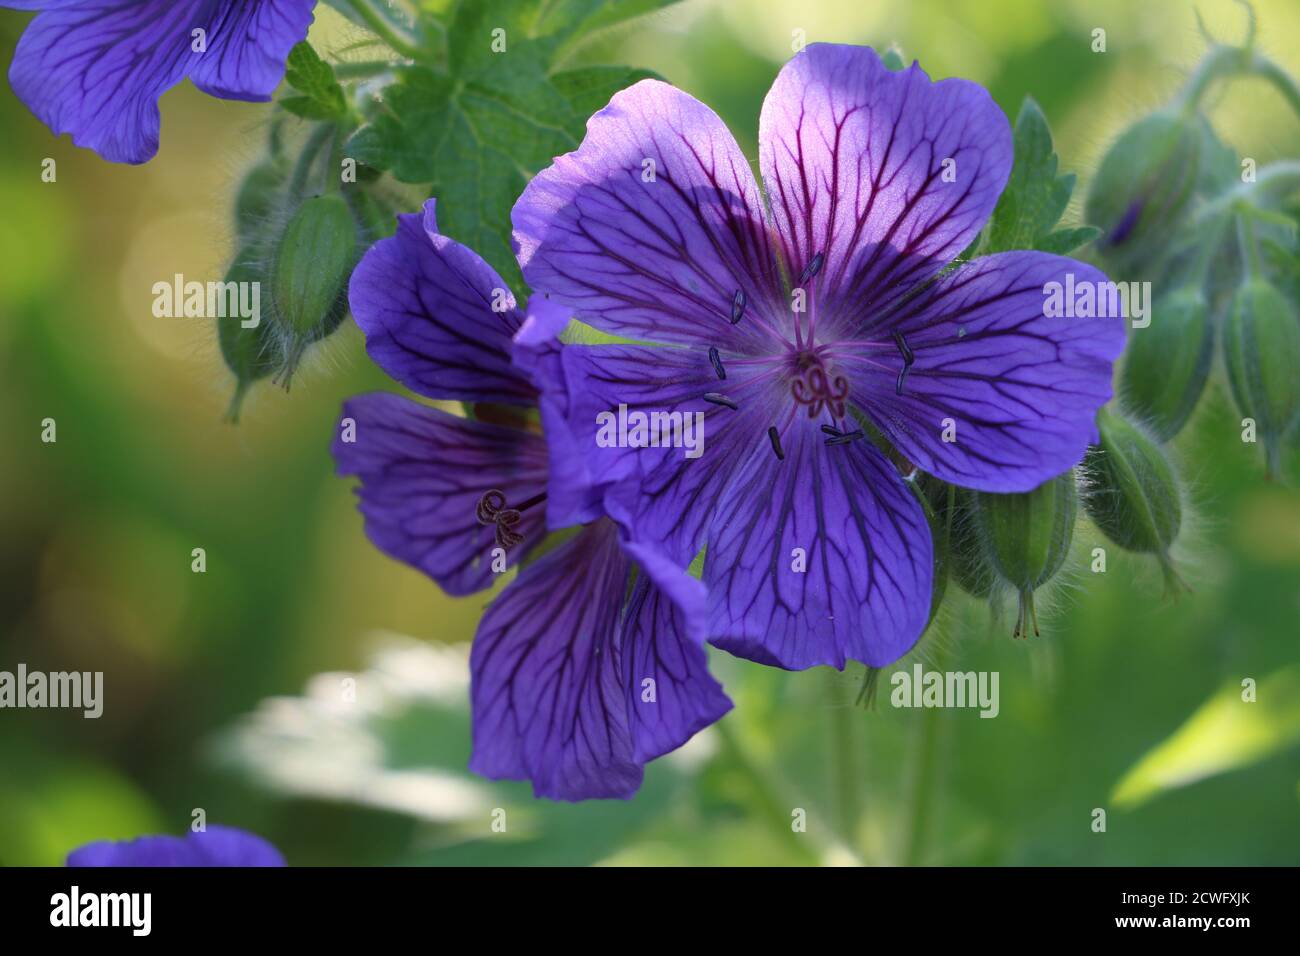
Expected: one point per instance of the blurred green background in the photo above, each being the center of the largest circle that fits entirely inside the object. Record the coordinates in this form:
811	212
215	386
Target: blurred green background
224	689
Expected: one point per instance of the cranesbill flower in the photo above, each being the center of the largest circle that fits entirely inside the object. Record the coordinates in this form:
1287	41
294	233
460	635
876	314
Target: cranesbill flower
96	68
591	662
214	846
796	321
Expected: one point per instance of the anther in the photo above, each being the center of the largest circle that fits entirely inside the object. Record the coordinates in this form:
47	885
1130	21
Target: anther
737	306
718	398
716	359
810	271
775	438
908	359
841	438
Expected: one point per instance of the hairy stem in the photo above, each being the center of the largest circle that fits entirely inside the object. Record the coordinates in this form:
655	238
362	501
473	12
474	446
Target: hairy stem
380	26
846	772
924	775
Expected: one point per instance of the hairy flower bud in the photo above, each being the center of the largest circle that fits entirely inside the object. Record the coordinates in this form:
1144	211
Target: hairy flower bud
1133	495
1261	348
1026	537
310	271
251	353
966	562
1142	188
934	497
1167	363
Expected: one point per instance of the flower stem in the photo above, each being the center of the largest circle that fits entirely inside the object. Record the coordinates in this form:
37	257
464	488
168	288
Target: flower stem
924	775
361	70
772	806
845	771
380	26
1249	245
302	168
1228	62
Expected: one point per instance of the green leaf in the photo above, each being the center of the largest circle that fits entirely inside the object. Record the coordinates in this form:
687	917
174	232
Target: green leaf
1226	733
1064	241
1035	197
477	133
322	98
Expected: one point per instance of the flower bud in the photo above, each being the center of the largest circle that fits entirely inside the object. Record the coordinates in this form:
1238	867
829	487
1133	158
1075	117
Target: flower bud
1026	537
250	353
933	496
1133	496
1167	363
310	271
1261	348
1142	188
964	555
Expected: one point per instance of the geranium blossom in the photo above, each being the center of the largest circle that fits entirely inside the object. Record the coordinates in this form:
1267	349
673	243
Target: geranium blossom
799	319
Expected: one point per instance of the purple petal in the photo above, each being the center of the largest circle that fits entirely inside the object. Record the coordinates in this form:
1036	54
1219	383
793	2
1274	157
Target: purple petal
426	306
866	549
658	258
422	474
215	846
248	44
559	670
853	159
96	69
663	634
573	497
1021	389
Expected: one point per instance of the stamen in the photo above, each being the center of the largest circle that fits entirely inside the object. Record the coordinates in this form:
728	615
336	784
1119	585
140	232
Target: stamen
775	438
717	398
846	437
716	359
841	438
908	359
810	271
737	306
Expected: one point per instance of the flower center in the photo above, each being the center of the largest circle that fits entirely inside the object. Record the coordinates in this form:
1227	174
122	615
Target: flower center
816	387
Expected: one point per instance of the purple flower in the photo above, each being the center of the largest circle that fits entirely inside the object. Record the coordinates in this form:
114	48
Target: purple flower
215	846
96	68
796	323
591	662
